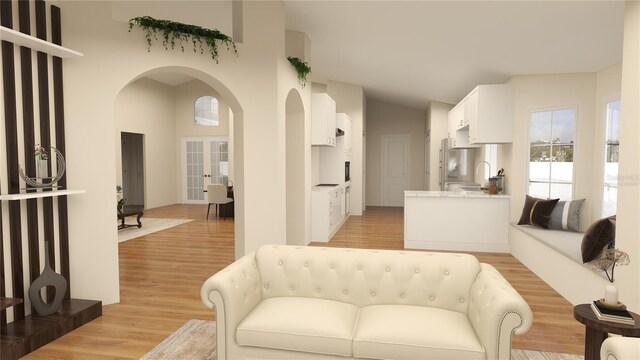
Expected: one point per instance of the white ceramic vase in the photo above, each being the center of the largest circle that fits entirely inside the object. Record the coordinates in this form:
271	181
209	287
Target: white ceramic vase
42	170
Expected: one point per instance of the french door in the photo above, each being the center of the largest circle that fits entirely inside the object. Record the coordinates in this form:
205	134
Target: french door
205	160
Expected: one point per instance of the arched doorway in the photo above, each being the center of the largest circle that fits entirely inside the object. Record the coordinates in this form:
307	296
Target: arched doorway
175	73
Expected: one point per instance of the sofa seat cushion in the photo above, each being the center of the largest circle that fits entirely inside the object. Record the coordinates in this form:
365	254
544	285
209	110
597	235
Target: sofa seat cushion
414	332
300	324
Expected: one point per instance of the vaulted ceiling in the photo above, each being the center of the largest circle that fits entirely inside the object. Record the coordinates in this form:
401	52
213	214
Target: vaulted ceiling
409	53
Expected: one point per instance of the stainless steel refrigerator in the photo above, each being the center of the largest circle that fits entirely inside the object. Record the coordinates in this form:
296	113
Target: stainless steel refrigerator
456	165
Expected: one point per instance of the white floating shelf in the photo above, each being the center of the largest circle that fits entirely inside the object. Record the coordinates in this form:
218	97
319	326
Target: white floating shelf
20	39
40	194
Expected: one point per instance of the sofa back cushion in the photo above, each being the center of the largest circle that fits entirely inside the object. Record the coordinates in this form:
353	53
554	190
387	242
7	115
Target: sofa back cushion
368	277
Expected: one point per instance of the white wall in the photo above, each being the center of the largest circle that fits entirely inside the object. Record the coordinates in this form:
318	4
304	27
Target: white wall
541	92
252	83
387	119
628	226
146	107
350	99
437	117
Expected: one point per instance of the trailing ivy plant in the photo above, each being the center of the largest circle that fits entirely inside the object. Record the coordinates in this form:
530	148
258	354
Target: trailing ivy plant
302	68
175	33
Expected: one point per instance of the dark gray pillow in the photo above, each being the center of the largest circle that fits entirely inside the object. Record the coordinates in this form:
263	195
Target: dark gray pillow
566	215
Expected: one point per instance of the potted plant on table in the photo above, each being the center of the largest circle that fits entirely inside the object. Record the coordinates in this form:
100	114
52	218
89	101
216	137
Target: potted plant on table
613	257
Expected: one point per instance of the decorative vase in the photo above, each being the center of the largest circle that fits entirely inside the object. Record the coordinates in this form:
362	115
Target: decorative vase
42	168
611	294
47	278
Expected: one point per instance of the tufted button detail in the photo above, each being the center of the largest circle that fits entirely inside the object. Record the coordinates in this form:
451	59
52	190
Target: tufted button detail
431	298
345	292
266	286
373	293
446	272
306	264
280	262
291	288
360	267
417	271
461	300
333	266
318	290
402	295
388	269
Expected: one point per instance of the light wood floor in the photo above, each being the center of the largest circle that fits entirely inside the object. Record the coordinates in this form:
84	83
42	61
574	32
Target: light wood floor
161	275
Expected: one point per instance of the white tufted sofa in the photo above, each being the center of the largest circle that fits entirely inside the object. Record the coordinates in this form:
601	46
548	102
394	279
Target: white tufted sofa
620	348
285	302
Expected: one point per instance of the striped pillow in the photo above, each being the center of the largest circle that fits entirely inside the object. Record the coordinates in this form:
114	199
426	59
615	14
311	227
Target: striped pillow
566	215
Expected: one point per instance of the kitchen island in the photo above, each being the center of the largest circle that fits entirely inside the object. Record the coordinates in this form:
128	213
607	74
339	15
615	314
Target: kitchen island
456	220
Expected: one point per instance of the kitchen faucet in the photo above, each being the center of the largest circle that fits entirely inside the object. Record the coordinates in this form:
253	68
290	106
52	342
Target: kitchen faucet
478	168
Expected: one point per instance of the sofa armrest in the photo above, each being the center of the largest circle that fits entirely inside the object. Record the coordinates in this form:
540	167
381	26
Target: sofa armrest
620	348
496	311
233	291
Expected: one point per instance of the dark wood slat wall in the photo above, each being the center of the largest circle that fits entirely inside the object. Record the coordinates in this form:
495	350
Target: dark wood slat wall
45	129
22	122
58	100
28	121
11	133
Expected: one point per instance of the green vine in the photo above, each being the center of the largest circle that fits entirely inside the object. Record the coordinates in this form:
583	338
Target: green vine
302	68
175	33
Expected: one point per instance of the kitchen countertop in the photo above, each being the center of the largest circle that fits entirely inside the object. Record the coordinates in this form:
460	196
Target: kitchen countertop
455	194
330	188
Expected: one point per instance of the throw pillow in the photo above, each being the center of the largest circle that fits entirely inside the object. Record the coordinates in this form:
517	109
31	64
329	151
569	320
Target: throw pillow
566	215
537	211
598	236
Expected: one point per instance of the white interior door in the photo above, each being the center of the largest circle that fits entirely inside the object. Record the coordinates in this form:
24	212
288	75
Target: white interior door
395	168
205	160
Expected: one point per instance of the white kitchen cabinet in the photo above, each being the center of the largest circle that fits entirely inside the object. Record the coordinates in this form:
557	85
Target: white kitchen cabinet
323	120
458	128
489	110
455	221
328	211
344	122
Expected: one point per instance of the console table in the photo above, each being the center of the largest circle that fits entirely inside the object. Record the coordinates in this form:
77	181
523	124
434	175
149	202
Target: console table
129	210
597	330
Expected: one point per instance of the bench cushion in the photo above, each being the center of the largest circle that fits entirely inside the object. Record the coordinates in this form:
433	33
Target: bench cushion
414	332
300	324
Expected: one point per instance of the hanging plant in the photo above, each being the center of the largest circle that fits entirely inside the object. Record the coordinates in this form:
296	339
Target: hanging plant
175	33
302	68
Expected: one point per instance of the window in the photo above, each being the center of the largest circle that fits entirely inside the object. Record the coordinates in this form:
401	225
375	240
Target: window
551	145
612	148
206	111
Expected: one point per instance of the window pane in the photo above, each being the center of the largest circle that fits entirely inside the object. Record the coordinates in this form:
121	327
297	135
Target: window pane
539	171
540	130
612	148
206	111
562	130
561	171
539	190
561	191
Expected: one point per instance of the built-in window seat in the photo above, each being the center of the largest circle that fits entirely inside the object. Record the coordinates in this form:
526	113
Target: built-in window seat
555	256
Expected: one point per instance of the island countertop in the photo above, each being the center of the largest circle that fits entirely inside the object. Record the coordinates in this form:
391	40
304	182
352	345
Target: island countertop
455	194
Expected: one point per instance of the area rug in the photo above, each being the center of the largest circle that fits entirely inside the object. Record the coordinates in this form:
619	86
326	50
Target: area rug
149	225
196	340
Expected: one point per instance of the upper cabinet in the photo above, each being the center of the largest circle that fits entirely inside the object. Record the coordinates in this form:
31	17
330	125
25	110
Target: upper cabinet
344	123
489	112
458	128
323	120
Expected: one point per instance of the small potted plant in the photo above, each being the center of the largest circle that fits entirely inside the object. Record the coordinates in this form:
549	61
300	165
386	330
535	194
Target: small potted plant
120	198
613	257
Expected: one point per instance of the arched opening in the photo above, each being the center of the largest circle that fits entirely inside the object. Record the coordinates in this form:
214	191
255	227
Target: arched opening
167	79
295	170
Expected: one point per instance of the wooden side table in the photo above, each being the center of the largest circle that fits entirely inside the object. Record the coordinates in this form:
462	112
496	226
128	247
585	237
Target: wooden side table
129	210
597	330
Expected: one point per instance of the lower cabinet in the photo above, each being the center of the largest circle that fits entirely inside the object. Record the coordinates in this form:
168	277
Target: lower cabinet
328	211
